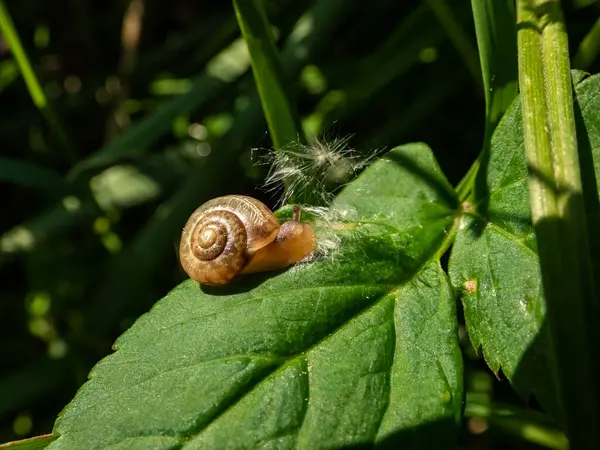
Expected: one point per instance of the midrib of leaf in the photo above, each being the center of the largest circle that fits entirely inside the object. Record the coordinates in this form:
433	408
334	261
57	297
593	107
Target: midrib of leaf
394	290
265	296
507	234
182	367
499	190
285	360
302	358
297	357
558	213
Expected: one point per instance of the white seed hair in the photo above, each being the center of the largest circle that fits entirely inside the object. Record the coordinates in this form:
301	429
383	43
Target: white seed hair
320	165
323	166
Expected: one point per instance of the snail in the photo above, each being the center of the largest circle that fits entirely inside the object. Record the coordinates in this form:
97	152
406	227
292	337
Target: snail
235	234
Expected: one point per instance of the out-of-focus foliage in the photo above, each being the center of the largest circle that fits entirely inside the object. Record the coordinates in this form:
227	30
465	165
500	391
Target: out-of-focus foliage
153	110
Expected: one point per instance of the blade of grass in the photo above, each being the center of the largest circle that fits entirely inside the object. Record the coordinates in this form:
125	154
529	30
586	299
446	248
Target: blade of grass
24	174
9	72
131	31
58	219
527	425
33	85
555	190
395	57
136	139
120	191
588	49
269	76
194	42
496	40
578	4
458	36
34	443
399	127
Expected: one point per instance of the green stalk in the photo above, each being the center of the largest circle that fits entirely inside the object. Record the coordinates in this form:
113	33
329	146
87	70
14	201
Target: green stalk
558	214
496	41
31	81
282	119
464	189
523	424
588	49
11	36
495	29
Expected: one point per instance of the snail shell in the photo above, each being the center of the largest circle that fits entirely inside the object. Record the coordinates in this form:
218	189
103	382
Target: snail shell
236	234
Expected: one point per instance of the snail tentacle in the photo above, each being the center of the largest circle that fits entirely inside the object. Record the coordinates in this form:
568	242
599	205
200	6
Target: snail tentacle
238	234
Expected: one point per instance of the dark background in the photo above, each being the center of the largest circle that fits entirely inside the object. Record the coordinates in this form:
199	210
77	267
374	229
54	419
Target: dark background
78	267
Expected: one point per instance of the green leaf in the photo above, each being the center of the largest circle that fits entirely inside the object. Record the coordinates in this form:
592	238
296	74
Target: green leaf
281	116
34	443
494	262
395	57
589	49
514	422
24	174
136	139
354	347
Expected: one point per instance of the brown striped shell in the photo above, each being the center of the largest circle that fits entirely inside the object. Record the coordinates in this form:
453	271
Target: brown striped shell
221	236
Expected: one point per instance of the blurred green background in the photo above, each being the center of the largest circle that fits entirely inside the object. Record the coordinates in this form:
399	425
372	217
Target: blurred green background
147	108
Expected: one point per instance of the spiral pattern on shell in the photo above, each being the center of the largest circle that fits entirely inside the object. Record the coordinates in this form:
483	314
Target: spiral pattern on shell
223	235
217	242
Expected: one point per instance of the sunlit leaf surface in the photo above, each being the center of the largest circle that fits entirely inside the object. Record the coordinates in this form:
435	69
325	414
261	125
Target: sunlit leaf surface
359	346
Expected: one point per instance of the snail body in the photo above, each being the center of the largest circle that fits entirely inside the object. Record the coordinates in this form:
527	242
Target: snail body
235	234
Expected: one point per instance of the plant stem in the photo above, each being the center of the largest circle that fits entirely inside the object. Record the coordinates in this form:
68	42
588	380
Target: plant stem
558	213
466	185
271	82
588	49
495	29
523	424
33	85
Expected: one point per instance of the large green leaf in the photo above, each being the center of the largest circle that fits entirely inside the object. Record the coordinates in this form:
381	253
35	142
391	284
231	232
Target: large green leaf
357	346
494	262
